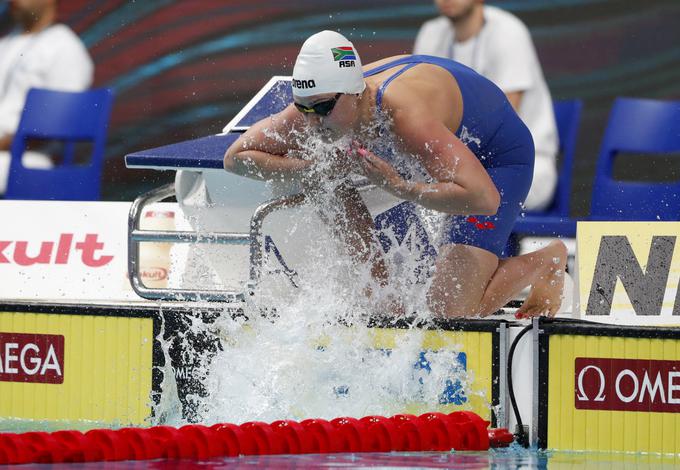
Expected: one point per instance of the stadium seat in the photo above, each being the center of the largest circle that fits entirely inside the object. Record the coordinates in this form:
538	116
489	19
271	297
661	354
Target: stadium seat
641	126
68	117
555	221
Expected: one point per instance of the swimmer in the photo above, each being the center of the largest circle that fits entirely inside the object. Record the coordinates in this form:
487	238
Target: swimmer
475	154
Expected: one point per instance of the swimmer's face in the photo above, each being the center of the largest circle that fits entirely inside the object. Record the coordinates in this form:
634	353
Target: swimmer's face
332	112
457	9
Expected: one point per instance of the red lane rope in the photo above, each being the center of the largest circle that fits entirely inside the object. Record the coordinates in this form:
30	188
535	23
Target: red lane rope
461	430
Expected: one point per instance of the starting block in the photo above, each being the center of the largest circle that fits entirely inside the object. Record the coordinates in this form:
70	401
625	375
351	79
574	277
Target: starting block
227	211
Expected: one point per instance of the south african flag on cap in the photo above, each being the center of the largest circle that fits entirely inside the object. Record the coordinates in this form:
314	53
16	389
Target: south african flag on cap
343	53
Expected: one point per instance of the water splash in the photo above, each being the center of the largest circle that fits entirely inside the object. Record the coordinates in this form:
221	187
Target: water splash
312	352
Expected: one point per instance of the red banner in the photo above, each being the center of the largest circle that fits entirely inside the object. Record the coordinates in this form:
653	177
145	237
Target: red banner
31	358
627	385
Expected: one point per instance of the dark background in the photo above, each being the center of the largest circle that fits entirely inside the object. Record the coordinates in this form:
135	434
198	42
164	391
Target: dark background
181	69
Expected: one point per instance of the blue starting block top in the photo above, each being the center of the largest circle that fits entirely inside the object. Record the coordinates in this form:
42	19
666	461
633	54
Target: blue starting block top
203	153
208	152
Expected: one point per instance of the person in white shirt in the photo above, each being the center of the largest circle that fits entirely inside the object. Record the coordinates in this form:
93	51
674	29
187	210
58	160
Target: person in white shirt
36	54
498	45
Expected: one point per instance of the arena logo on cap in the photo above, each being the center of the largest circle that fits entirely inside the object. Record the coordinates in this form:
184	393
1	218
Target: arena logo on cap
345	56
302	84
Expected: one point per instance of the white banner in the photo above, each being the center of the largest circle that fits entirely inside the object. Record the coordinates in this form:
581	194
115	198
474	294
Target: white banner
66	251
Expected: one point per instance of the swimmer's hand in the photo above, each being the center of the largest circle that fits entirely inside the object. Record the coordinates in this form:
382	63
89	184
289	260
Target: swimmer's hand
333	166
381	173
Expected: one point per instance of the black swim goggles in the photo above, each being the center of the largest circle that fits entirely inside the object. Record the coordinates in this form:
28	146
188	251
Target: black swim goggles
322	108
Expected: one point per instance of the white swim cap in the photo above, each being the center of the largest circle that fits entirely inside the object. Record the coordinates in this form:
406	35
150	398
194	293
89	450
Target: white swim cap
327	63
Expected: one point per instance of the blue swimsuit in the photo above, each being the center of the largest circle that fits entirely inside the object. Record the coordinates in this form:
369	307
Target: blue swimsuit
491	129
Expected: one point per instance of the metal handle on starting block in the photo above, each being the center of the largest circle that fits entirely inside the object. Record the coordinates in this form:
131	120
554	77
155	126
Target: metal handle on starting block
254	238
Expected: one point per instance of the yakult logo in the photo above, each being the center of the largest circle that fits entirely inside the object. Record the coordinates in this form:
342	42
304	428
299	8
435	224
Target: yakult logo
31	358
154	274
24	253
627	385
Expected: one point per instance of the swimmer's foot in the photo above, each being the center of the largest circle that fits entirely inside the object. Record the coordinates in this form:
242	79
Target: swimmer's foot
546	293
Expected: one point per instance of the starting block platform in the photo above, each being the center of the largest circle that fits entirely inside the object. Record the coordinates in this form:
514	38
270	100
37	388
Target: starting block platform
208	152
226	209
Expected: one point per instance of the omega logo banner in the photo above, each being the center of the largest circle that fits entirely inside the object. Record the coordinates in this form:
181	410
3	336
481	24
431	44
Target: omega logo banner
31	358
77	363
608	388
627	385
628	272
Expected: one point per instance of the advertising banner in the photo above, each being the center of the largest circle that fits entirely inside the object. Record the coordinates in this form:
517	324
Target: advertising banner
34	358
627	385
628	272
73	251
474	381
609	388
76	364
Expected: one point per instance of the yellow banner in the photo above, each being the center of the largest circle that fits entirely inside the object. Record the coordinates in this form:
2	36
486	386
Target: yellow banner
594	379
75	367
471	387
628	272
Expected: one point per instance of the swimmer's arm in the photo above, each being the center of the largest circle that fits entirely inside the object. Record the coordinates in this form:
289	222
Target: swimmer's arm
353	224
265	166
264	151
462	185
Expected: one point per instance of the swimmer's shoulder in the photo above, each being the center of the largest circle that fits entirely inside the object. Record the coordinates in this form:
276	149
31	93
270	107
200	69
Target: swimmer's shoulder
378	63
430	75
426	82
424	79
426	91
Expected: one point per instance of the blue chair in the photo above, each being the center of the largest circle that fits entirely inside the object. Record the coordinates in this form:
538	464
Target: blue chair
70	118
555	221
637	126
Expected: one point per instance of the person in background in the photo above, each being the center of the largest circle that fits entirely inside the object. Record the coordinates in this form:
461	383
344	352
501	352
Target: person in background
497	45
38	53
